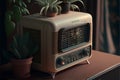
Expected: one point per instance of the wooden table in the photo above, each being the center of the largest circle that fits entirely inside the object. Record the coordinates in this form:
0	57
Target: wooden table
99	62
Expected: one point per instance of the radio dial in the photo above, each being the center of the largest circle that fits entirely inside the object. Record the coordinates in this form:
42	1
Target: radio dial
60	61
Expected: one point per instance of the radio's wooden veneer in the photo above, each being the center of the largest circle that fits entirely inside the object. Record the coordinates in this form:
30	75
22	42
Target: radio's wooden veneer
58	37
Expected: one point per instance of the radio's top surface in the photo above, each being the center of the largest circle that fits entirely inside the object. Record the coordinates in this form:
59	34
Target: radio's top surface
71	14
70	19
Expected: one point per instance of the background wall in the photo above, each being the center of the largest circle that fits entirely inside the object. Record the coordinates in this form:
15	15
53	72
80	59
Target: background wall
2	29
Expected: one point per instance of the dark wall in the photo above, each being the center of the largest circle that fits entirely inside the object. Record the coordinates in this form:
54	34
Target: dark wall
91	7
2	29
33	7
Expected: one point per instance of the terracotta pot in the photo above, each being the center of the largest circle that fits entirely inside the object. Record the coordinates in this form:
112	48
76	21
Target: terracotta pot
21	67
51	14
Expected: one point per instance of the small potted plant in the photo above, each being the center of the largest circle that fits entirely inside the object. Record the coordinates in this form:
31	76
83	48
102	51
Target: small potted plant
68	5
22	49
49	8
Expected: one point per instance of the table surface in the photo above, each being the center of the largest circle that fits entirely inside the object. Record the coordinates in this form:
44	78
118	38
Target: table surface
98	62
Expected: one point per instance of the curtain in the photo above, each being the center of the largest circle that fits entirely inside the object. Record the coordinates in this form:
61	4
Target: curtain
108	26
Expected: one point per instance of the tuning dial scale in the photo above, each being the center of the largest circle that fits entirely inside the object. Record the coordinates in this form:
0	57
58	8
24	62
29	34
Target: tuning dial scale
72	57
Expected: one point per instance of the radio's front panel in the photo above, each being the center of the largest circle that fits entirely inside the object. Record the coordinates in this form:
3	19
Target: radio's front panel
74	46
72	38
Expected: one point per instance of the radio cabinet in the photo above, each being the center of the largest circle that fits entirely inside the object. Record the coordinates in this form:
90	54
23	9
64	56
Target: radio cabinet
64	40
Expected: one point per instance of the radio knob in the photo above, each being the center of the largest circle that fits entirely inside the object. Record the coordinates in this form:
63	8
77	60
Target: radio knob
60	61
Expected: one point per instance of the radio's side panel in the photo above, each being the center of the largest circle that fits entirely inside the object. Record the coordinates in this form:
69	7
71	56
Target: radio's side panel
51	47
91	29
37	32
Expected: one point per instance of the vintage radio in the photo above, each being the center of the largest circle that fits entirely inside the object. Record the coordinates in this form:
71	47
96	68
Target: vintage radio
64	40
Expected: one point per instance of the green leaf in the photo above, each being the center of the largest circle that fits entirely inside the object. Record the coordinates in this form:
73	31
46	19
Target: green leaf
15	42
24	5
40	2
60	9
72	1
14	1
16	53
46	9
25	11
29	1
73	6
8	16
82	2
22	47
10	27
16	13
20	2
53	2
42	10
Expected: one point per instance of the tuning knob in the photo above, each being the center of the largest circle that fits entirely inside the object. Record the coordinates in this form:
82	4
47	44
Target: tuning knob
60	61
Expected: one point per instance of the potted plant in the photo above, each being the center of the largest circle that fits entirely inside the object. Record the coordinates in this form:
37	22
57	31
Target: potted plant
21	50
49	8
14	11
68	5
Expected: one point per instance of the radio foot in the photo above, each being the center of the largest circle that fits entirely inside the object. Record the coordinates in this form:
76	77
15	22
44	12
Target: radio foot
53	75
88	61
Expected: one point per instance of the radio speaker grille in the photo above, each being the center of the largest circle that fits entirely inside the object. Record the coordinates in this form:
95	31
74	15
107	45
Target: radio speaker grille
73	37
